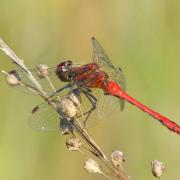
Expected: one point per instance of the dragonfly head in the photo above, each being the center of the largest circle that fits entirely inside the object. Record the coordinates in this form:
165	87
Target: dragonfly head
63	71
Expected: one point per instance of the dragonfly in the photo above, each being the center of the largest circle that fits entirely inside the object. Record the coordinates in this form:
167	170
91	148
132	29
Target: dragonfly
91	83
101	74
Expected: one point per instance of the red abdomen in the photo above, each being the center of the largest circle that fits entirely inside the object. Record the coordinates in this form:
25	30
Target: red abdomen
113	89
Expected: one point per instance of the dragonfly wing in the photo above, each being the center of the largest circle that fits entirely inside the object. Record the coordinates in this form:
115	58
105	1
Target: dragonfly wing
44	118
99	55
118	77
116	74
46	83
106	105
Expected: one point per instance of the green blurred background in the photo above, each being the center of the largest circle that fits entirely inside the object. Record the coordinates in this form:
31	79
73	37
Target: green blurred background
142	37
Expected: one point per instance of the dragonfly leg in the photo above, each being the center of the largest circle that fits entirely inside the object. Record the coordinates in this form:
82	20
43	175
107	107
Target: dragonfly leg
68	86
92	99
87	90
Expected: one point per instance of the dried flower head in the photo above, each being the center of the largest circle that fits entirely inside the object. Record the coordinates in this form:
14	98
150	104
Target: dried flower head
12	78
117	158
42	70
73	143
65	126
68	108
92	166
75	99
157	168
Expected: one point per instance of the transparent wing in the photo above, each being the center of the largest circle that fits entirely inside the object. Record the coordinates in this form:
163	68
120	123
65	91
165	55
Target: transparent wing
46	83
105	107
99	55
44	118
118	77
101	58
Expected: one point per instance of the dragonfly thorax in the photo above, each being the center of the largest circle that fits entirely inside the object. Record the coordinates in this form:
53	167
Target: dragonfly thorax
64	71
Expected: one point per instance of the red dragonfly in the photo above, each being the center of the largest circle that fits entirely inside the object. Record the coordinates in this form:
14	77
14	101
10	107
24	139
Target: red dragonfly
101	74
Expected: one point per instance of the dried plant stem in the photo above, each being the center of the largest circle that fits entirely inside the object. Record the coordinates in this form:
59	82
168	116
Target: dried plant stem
27	86
98	152
15	59
52	86
107	177
5	48
88	139
95	149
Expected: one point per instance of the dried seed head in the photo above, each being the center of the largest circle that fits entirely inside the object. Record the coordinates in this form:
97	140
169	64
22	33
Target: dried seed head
68	108
65	126
117	158
42	70
92	166
74	98
157	168
73	143
12	78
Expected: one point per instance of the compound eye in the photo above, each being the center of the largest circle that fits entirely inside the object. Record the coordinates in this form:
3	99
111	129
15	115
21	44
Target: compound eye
69	63
64	68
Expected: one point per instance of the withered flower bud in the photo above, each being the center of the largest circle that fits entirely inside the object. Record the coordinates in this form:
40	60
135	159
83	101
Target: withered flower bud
74	99
42	70
117	158
73	143
68	108
92	166
12	78
157	168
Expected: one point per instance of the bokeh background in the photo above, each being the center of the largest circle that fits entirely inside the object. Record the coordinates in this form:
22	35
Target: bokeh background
142	37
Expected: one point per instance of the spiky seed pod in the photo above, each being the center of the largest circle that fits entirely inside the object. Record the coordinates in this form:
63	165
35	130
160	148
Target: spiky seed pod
157	168
117	158
42	70
65	126
73	143
68	108
92	166
12	78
